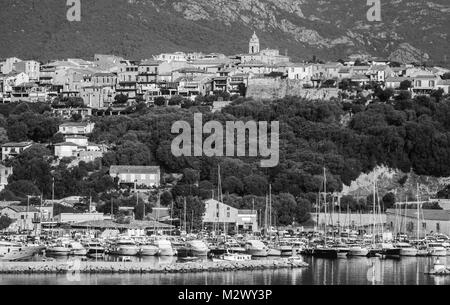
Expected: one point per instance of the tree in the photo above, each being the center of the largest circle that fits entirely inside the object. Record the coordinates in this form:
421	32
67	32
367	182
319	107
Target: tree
17	132
255	185
160	101
446	75
194	206
3	136
388	201
22	188
233	185
191	176
5	222
405	85
176	100
120	99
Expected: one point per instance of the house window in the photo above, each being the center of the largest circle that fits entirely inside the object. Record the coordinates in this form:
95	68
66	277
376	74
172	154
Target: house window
228	214
438	227
424	225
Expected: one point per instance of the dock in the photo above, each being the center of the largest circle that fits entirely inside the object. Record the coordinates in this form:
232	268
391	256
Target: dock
143	267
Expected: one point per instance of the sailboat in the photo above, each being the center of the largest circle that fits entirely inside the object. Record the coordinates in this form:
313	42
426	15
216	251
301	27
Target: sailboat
272	247
325	251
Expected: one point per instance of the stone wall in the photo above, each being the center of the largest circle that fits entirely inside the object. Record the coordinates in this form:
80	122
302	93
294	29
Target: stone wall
272	88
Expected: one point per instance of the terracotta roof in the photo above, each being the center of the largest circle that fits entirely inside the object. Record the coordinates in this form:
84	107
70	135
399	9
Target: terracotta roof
22	209
128	169
110	224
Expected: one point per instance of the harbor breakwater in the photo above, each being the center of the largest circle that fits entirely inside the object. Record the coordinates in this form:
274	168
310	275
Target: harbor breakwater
142	267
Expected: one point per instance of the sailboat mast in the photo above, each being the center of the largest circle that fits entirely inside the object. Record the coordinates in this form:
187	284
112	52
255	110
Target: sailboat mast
184	214
373	215
418	211
325	202
270	211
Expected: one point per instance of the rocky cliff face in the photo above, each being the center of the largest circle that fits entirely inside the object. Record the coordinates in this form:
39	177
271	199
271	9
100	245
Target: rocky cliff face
403	185
410	30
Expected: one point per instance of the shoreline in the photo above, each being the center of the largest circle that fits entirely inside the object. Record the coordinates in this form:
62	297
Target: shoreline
141	267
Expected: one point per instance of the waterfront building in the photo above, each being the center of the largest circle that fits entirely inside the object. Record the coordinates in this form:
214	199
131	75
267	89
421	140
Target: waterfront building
430	221
25	216
141	175
220	215
71	218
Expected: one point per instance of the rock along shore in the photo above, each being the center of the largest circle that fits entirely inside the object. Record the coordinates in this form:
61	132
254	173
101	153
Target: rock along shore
141	267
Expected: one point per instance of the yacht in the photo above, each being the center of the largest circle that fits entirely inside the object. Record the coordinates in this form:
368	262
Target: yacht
148	249
390	251
286	249
406	249
165	247
273	250
358	251
95	249
256	248
60	248
436	249
325	252
77	249
197	248
124	247
233	257
10	251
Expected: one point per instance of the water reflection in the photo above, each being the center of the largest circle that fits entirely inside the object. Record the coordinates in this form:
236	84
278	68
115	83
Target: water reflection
351	271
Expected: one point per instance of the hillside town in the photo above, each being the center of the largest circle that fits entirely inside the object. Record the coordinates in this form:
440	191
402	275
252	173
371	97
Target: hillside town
97	83
99	192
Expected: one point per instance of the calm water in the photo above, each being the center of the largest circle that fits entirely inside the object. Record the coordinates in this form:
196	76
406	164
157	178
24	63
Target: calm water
351	271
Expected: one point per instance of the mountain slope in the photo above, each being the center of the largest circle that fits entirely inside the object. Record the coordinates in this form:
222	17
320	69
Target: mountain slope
330	29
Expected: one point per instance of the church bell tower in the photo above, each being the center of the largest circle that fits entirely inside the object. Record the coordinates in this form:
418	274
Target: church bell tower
253	46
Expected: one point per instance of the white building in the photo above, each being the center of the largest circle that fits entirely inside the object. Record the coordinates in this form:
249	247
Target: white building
29	67
10	150
79	217
76	128
141	175
25	217
5	172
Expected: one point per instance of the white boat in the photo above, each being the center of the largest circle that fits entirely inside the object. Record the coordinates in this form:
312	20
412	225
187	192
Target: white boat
286	249
125	247
406	249
13	251
273	251
256	248
197	248
233	257
358	251
95	249
436	249
59	249
148	249
295	259
165	247
77	249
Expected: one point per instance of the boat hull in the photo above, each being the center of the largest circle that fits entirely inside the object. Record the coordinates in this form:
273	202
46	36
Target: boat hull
273	252
408	252
148	251
325	253
18	254
258	252
58	251
358	252
438	252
